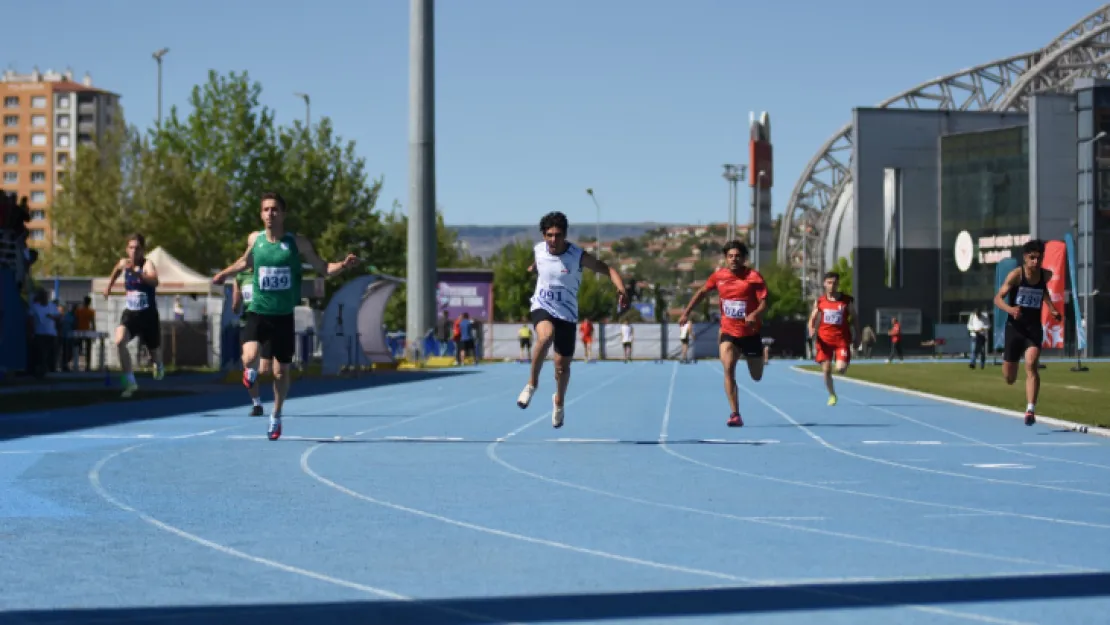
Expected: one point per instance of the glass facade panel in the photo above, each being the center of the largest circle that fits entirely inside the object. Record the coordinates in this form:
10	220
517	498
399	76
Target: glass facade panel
985	207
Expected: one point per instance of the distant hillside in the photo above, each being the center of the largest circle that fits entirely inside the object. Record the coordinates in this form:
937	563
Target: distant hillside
484	241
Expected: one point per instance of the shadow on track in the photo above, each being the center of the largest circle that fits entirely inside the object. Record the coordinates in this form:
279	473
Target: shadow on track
19	425
609	606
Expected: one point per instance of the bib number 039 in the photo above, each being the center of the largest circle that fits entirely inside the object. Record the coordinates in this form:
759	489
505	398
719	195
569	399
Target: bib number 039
274	278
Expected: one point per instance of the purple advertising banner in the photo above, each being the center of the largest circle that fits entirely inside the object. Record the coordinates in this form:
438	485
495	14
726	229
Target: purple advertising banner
469	292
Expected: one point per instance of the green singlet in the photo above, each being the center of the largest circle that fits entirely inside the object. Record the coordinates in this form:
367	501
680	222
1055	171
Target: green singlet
277	275
246	287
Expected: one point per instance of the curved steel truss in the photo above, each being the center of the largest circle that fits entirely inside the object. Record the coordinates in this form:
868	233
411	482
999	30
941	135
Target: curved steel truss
819	200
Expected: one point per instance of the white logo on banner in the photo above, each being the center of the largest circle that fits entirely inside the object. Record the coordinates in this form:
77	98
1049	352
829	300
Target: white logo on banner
965	250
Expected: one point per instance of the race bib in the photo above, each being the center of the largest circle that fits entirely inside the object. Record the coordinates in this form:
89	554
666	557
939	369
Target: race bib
275	278
137	300
248	291
833	317
734	308
1029	298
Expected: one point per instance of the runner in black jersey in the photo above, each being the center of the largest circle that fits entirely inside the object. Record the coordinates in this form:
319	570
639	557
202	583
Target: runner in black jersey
140	317
1022	295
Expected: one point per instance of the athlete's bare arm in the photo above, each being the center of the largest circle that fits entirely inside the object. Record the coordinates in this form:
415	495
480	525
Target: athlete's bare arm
599	266
1012	280
698	295
116	271
240	265
308	252
1048	300
812	323
150	273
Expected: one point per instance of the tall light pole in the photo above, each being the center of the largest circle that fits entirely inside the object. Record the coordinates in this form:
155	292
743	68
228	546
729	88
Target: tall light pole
307	109
733	174
158	59
597	247
421	269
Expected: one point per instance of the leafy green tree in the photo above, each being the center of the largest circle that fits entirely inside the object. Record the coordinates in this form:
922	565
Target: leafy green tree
785	289
844	268
513	283
597	297
94	212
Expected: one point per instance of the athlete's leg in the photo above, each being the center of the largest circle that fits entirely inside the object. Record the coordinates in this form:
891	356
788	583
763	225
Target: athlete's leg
730	353
564	355
545	330
1032	381
123	337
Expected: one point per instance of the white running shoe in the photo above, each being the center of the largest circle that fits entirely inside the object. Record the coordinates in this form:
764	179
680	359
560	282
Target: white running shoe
556	414
525	396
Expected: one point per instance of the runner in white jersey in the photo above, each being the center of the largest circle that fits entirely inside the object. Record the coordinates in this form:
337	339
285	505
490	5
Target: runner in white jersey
559	265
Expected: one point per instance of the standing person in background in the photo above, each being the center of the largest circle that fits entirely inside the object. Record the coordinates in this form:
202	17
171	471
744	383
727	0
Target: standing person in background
466	339
627	336
525	336
685	335
867	341
895	333
586	331
977	328
85	322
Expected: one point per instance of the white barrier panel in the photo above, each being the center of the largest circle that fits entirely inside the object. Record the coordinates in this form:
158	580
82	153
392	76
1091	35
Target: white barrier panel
501	341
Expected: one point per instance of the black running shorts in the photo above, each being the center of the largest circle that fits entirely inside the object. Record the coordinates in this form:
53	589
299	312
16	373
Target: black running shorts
143	324
279	332
563	338
264	350
1016	340
750	346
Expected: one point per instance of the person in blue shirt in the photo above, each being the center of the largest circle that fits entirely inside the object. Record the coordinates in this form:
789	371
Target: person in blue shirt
466	338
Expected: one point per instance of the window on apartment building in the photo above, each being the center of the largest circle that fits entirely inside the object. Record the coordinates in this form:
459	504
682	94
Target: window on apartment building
38	177
10	140
38	139
38	215
38	102
38	158
63	158
63	101
11	177
62	141
38	121
38	197
11	102
11	159
38	234
11	121
63	120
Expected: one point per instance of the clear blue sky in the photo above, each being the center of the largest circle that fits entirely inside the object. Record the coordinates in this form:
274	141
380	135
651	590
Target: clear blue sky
643	100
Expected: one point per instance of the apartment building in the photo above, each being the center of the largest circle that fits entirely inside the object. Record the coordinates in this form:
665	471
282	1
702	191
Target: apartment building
45	117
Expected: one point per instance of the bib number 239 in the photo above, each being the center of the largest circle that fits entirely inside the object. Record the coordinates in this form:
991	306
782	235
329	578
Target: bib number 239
550	295
274	278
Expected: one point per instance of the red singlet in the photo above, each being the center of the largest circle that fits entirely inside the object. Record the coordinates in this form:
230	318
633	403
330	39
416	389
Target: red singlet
834	335
739	293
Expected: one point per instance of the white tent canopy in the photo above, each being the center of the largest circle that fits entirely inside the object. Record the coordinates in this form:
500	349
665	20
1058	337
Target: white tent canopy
174	278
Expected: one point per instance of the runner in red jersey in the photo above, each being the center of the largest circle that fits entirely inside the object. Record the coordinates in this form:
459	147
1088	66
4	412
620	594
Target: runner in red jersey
829	323
743	300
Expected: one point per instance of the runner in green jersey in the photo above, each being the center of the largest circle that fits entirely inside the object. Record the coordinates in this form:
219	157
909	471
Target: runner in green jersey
275	256
240	305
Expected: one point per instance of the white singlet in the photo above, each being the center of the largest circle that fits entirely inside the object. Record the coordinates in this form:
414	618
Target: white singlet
558	280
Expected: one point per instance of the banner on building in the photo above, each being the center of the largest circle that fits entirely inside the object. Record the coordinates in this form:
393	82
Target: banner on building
1001	270
465	291
1054	253
1080	335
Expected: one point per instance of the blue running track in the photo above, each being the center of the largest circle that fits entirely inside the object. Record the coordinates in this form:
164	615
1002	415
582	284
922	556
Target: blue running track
437	500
